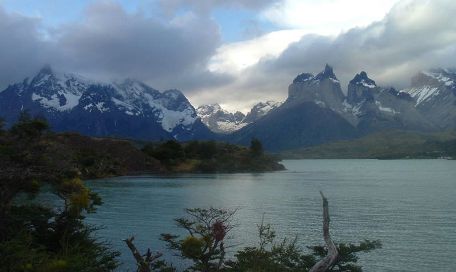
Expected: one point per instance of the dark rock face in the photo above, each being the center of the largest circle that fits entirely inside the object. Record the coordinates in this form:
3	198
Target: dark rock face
128	109
327	73
360	88
302	124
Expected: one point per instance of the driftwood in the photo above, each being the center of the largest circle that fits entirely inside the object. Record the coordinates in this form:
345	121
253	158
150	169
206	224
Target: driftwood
330	260
143	261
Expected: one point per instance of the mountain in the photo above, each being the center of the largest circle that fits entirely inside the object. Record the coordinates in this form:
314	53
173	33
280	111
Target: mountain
219	120
317	111
434	95
372	108
259	110
222	121
312	114
128	109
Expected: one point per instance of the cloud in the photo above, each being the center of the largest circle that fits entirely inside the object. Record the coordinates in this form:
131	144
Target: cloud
21	49
185	51
119	44
205	6
235	57
110	43
415	35
327	17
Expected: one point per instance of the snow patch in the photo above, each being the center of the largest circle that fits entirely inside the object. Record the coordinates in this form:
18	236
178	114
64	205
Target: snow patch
71	101
171	119
230	126
385	109
320	103
441	78
423	94
368	85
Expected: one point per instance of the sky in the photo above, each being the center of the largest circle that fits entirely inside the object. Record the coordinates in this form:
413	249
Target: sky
232	52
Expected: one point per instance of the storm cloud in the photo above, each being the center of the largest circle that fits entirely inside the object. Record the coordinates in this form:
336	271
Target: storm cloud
22	50
111	43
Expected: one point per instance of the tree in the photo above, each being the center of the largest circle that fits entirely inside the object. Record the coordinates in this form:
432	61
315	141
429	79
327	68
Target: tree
205	243
170	152
205	247
2	125
256	148
34	237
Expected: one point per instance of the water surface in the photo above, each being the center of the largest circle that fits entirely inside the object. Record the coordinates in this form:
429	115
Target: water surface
409	205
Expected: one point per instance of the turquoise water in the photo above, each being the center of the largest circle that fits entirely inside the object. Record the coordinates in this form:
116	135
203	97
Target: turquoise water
409	205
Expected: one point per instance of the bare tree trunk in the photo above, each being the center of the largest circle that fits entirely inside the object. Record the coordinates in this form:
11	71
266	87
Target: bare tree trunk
143	262
330	260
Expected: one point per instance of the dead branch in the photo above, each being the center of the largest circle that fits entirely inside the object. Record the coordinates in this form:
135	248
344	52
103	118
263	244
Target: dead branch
330	260
143	261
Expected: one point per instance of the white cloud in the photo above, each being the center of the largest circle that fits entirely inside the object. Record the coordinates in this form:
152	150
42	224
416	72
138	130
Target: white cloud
232	58
413	36
327	17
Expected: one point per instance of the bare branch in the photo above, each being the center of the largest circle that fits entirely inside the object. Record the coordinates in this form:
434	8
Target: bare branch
143	262
330	260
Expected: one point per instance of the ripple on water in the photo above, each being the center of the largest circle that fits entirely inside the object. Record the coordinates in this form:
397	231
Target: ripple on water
407	204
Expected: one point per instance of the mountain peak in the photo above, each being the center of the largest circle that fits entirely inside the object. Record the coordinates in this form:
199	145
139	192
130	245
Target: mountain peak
46	70
303	78
364	80
436	77
328	72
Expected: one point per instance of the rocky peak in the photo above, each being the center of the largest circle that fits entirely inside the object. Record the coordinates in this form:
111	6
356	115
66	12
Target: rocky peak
360	89
209	109
304	77
43	76
327	73
364	80
219	120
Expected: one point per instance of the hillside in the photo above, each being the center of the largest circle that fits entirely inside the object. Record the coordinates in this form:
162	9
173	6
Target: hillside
93	157
383	145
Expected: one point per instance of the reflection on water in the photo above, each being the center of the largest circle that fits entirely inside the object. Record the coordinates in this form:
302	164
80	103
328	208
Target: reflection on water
408	204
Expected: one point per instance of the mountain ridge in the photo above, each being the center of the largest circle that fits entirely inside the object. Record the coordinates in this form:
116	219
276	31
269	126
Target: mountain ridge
125	109
316	110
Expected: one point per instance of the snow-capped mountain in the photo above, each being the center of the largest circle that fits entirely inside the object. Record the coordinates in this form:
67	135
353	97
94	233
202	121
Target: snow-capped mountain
222	121
434	95
126	109
259	110
219	120
317	111
311	115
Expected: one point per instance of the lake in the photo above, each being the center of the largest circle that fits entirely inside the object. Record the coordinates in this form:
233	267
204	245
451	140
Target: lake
410	205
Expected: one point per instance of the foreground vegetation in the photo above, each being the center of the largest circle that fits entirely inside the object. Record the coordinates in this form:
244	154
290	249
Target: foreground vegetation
47	237
384	145
204	248
38	237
